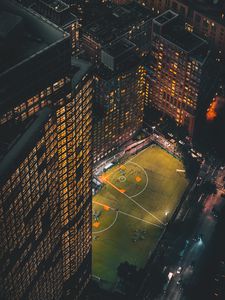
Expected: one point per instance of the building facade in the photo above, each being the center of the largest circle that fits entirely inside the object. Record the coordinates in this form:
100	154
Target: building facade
45	162
130	21
206	18
177	78
119	102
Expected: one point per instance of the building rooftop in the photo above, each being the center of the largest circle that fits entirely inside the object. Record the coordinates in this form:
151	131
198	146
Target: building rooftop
201	53
56	5
80	68
8	23
173	30
61	17
130	64
120	47
166	17
69	19
182	38
26	31
116	21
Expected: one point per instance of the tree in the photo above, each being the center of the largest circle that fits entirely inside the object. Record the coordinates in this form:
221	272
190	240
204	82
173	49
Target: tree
130	278
126	271
190	163
156	281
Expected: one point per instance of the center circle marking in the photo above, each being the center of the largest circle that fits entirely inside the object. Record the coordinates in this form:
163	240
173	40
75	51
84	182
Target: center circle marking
122	178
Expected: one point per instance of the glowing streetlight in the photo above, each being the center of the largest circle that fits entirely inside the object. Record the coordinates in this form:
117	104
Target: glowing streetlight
200	242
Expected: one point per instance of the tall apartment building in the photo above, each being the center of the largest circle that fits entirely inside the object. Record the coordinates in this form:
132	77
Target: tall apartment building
204	17
45	161
119	102
181	70
131	21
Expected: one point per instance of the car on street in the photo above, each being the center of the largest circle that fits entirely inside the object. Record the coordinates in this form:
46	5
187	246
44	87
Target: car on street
215	212
179	282
198	237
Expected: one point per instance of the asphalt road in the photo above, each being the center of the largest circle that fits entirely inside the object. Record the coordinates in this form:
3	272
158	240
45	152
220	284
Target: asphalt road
199	240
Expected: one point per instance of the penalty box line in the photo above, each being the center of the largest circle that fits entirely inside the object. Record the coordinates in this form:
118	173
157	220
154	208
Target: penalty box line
126	214
106	180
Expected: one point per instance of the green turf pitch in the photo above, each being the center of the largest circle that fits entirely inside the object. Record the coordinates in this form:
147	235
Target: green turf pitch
131	210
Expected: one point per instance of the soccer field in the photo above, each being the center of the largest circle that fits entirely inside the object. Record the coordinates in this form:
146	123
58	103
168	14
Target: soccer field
131	210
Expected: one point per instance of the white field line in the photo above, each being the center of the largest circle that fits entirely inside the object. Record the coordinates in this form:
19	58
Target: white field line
108	181
111	225
135	156
124	213
136	203
147	180
153	224
144	209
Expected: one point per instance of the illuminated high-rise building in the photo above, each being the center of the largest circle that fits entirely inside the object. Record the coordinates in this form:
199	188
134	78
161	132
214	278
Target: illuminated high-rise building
180	72
206	18
45	161
119	101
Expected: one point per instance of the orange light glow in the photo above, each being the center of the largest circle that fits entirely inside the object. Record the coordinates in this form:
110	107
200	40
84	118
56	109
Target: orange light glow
138	179
103	178
211	112
115	187
106	207
96	224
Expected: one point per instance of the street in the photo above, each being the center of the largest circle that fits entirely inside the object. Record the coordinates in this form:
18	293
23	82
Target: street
200	238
